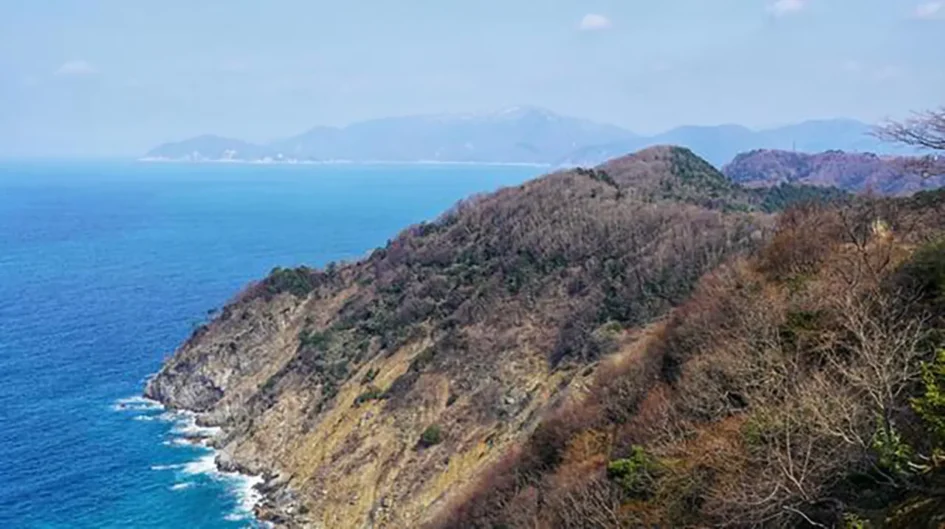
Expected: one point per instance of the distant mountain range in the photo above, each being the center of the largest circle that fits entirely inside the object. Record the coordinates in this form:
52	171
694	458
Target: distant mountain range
719	144
516	135
888	175
527	135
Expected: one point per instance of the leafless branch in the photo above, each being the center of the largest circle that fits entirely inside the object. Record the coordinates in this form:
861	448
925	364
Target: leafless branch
924	129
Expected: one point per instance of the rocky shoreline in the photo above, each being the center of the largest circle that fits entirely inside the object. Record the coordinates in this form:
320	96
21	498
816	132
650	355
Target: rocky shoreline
277	505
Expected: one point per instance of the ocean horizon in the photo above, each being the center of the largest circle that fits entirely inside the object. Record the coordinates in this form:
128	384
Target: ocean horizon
106	266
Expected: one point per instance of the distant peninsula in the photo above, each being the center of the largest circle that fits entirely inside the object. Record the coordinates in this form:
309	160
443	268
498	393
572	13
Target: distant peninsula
519	135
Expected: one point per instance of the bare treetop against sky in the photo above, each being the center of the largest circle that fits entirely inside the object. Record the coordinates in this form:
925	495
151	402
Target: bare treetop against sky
116	77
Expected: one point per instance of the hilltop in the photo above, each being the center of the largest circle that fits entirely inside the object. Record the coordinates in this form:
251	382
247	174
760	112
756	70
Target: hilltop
720	143
858	172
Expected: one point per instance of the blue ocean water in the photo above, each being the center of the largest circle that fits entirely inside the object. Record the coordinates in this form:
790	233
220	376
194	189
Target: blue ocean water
106	267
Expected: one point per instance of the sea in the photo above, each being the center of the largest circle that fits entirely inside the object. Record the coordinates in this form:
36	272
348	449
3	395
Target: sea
106	266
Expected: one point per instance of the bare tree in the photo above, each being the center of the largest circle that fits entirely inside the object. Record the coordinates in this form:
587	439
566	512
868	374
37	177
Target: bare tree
591	505
924	130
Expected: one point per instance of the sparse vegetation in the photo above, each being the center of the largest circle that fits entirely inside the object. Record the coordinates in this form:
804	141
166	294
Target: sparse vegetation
433	435
638	345
855	172
372	393
799	387
369	376
297	281
598	175
313	340
635	474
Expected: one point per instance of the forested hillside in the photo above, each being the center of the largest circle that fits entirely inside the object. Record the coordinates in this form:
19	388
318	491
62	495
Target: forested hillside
851	171
800	386
641	343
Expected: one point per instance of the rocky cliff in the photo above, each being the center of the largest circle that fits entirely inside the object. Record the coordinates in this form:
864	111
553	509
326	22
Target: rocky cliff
376	393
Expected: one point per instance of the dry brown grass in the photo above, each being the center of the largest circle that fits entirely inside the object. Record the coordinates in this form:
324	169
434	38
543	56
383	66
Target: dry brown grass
758	396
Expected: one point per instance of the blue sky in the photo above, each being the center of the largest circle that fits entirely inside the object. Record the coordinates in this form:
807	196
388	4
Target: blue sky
99	77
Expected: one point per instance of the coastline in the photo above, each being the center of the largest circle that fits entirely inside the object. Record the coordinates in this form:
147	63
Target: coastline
149	159
186	432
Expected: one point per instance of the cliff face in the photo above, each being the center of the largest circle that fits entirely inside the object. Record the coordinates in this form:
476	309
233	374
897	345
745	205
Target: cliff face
373	394
887	175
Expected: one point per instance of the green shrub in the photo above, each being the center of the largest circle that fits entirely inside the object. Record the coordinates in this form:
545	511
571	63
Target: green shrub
300	282
635	474
602	176
598	175
930	405
852	521
329	390
369	376
894	453
926	270
372	393
313	340
753	433
433	435
423	359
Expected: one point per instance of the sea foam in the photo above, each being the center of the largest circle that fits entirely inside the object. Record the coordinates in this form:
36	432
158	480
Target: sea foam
185	425
186	432
137	403
245	489
192	429
203	465
167	467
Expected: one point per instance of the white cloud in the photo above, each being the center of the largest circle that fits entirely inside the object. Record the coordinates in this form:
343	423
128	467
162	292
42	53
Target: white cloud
594	22
786	7
930	10
77	67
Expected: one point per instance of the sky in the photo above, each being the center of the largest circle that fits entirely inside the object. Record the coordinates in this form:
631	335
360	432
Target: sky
116	77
